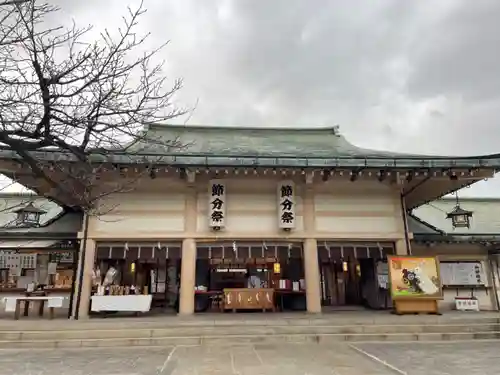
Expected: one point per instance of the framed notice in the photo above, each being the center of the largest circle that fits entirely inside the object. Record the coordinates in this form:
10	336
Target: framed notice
414	277
463	274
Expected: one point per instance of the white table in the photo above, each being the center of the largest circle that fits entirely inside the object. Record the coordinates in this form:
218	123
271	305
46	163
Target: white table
13	304
132	303
10	302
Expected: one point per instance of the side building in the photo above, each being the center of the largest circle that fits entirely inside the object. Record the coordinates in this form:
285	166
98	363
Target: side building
34	232
461	248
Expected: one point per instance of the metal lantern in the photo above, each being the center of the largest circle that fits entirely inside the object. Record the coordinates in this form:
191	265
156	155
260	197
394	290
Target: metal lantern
29	215
460	218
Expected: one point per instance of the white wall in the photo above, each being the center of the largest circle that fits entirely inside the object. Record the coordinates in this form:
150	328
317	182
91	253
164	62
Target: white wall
146	213
343	210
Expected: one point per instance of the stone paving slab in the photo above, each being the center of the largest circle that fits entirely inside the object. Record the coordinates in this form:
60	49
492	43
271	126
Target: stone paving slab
471	358
290	359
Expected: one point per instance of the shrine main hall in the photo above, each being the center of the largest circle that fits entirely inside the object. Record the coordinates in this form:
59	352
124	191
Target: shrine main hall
298	211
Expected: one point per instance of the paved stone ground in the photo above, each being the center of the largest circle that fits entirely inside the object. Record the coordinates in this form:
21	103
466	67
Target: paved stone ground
289	359
472	358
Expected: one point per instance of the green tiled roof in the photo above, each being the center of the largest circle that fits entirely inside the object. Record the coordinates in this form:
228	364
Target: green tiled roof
274	142
284	147
268	147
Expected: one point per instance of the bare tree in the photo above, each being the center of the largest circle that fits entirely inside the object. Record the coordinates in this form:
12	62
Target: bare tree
59	91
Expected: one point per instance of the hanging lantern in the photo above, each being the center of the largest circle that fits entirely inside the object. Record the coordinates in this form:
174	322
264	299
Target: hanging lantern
460	218
345	267
277	268
29	215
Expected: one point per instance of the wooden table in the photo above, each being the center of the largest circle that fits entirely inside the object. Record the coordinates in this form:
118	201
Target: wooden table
249	299
27	301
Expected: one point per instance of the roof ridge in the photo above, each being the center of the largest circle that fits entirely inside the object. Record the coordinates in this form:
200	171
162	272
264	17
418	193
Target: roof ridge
333	129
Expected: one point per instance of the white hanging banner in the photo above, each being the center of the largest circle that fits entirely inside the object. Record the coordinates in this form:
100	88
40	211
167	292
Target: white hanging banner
217	203
286	204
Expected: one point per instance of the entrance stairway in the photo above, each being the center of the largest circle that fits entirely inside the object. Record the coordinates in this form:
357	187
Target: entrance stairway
233	329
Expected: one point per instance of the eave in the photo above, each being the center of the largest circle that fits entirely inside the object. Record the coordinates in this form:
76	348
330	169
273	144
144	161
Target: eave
193	160
38	236
476	238
421	179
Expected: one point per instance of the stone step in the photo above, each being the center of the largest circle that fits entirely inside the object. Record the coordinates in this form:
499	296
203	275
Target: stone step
229	340
248	330
222	320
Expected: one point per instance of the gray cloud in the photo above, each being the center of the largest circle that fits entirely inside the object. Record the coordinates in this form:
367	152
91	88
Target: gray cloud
458	54
416	76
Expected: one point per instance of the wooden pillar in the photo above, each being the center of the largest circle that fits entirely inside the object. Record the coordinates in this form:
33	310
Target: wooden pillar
311	263
311	270
188	275
188	255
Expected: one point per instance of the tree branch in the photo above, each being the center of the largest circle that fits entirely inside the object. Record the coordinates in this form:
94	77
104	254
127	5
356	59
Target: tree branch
59	90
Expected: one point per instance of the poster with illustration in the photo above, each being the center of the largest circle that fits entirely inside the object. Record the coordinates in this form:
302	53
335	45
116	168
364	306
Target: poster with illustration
414	277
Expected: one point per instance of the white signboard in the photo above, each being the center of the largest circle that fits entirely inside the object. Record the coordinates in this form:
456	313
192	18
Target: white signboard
13	263
466	304
286	205
217	203
462	273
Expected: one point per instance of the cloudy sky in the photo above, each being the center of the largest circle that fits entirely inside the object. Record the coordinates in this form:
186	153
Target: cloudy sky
414	76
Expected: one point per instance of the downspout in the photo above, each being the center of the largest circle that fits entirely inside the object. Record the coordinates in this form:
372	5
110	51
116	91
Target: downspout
403	209
76	260
493	263
82	264
405	222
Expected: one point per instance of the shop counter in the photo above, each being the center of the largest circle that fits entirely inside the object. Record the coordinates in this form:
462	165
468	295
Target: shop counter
131	303
249	299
